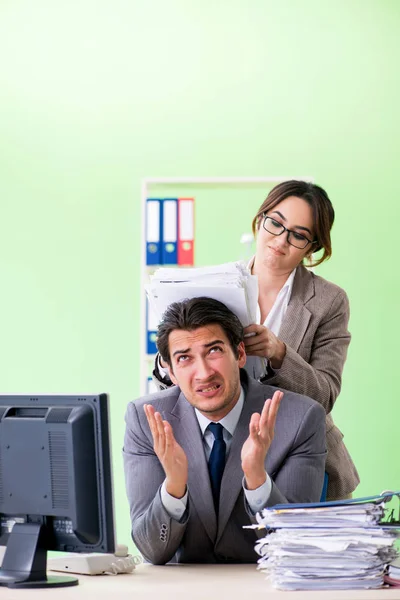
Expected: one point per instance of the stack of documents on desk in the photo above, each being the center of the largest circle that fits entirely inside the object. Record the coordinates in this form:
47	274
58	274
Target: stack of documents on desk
326	546
230	283
393	574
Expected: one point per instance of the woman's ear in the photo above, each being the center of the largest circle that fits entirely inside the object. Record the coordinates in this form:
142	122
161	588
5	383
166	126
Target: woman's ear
259	221
310	260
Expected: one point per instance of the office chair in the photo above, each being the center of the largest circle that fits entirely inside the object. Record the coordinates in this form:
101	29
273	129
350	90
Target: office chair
324	488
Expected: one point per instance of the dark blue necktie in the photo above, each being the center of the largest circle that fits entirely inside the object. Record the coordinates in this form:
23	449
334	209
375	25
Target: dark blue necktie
216	462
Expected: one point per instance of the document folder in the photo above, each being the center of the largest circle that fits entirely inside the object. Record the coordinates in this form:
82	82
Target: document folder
153	231
152	323
169	248
185	232
384	497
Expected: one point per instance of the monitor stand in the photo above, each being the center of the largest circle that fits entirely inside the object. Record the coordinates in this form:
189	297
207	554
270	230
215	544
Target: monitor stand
25	559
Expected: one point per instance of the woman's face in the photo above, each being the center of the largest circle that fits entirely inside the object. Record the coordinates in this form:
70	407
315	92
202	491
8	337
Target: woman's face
274	251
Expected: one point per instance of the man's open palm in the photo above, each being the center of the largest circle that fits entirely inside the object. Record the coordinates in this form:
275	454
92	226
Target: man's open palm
170	454
261	434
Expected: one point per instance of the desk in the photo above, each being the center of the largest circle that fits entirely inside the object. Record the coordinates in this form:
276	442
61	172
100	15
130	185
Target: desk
186	582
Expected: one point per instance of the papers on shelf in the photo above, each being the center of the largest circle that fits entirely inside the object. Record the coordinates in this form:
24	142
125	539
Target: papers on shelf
230	283
327	545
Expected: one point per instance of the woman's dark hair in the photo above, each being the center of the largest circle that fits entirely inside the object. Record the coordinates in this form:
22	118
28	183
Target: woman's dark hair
194	313
322	209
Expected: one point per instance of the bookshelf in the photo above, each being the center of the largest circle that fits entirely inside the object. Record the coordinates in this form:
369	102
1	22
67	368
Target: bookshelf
148	189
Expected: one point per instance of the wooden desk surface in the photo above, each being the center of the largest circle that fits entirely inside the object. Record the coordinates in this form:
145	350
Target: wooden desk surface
187	582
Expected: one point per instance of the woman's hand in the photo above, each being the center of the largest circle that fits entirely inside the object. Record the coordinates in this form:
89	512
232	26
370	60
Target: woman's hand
260	341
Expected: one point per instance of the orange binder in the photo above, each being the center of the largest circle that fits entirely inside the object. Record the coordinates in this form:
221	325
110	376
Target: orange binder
185	231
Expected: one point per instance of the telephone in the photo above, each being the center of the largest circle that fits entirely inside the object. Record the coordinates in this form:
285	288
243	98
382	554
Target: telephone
96	563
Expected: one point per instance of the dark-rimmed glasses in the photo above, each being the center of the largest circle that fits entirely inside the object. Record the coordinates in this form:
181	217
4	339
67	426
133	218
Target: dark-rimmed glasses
298	240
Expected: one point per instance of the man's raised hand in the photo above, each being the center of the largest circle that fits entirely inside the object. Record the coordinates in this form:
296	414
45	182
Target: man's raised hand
261	434
170	454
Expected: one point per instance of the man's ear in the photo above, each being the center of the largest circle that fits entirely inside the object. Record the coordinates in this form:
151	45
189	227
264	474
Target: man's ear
241	355
172	376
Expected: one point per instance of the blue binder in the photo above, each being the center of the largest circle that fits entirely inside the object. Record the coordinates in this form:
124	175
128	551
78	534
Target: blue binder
151	327
153	231
169	220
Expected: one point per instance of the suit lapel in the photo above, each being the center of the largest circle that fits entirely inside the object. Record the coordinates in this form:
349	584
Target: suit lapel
297	317
188	434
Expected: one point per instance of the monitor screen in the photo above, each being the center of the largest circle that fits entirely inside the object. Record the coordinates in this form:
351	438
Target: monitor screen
55	483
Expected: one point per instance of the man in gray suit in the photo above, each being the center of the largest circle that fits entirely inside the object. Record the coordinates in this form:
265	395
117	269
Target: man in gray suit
203	457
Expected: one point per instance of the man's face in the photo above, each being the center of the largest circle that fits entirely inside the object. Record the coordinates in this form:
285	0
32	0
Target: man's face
206	369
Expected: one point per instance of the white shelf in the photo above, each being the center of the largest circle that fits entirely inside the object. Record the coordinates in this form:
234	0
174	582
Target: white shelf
217	180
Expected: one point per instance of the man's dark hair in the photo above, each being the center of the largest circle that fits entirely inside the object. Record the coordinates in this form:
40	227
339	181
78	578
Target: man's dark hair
194	313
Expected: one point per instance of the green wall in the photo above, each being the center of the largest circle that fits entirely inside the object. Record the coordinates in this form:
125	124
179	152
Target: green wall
95	95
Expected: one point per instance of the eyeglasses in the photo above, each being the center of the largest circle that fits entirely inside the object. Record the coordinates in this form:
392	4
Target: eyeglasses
295	239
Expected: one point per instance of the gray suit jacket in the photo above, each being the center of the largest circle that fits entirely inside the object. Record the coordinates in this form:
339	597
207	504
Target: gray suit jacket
295	462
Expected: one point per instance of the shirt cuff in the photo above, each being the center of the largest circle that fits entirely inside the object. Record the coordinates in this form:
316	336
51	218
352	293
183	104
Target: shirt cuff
175	507
257	499
162	372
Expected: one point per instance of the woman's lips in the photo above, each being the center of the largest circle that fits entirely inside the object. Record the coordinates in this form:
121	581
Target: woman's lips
275	251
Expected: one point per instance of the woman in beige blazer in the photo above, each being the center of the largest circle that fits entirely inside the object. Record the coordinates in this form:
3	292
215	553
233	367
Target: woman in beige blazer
303	332
303	336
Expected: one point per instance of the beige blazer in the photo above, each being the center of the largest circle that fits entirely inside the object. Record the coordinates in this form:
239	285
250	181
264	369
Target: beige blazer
315	332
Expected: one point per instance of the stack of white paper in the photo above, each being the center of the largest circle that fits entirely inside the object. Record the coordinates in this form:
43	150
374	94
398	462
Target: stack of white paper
345	515
393	574
326	547
230	283
394	569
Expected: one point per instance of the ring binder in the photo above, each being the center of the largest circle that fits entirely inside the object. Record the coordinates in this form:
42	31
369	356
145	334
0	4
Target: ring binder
169	250
185	231
153	231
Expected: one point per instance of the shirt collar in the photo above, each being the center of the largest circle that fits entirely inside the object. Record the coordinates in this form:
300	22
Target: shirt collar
229	422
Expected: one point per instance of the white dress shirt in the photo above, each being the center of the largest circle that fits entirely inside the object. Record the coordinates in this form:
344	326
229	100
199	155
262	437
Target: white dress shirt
277	313
256	499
